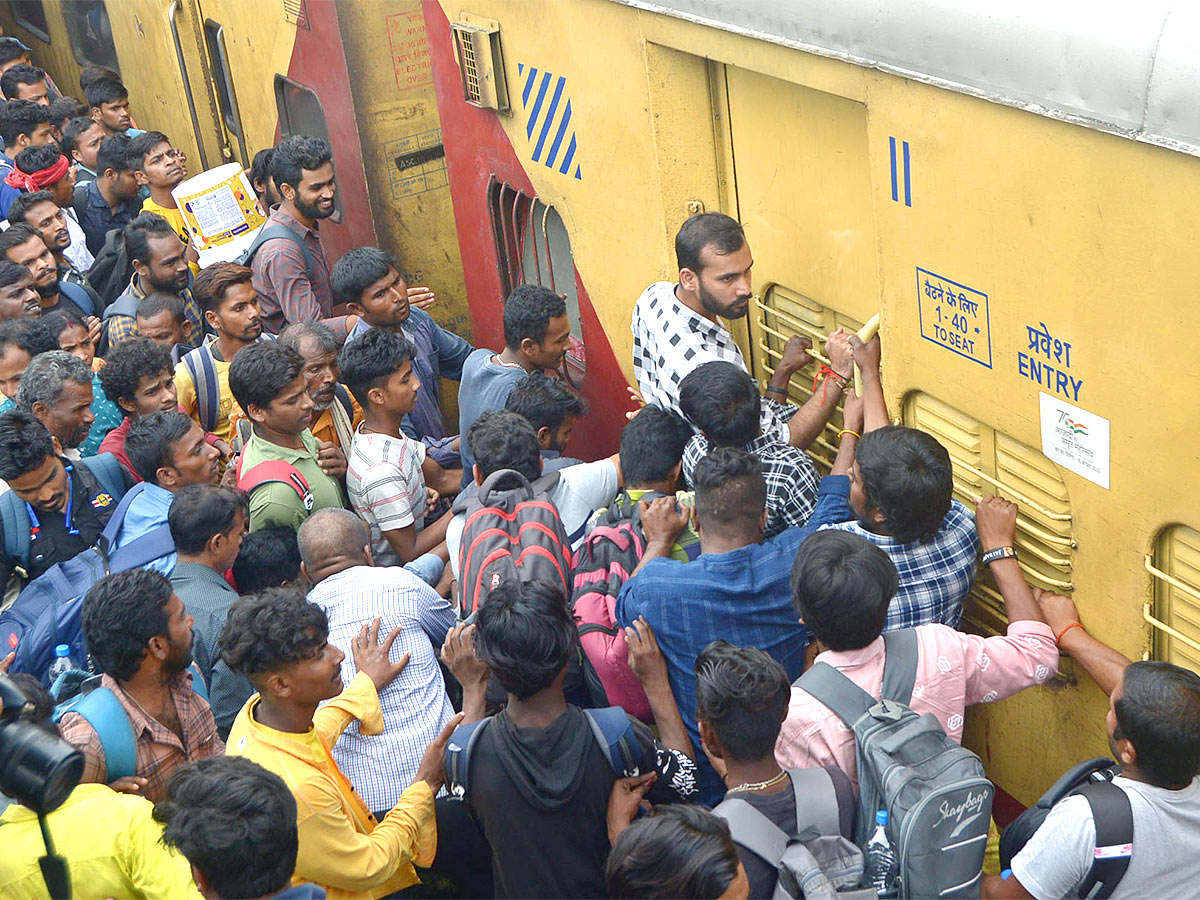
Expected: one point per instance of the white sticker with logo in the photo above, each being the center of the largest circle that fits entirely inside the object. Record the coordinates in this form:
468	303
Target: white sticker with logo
1075	439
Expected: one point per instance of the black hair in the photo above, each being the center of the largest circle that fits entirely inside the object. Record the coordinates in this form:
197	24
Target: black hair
104	90
138	147
261	372
1159	713
527	314
544	401
678	850
907	476
703	229
743	694
296	153
158	301
11	48
65	108
34	159
121	613
18	75
371	359
127	364
21	117
525	635
111	154
200	511
59	320
11	272
72	131
357	270
16	235
214	281
24	443
269	557
652	444
499	439
842	585
722	401
260	167
26	201
92	73
31	335
140	230
41	701
266	631
235	822
149	443
731	492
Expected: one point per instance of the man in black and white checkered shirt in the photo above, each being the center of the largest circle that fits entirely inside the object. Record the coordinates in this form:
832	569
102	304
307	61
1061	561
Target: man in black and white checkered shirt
676	328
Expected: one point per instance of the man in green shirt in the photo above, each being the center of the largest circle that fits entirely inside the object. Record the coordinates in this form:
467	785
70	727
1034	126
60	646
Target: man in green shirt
267	380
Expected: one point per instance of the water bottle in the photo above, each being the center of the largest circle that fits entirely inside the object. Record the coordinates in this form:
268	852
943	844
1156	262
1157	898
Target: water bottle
62	662
881	859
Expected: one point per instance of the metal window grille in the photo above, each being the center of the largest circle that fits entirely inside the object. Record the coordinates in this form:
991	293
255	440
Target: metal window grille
1174	610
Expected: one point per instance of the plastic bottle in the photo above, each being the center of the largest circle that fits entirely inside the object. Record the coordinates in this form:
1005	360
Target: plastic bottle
62	661
881	859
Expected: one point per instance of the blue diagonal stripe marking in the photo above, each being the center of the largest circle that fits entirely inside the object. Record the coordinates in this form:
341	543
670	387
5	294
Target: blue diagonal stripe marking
549	118
528	86
537	104
566	163
562	130
895	192
907	178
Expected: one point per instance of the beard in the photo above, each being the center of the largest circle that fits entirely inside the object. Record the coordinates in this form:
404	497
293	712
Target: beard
725	310
47	290
78	436
312	212
179	658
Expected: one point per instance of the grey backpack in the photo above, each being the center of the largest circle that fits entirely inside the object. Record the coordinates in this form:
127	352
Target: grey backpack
939	801
816	863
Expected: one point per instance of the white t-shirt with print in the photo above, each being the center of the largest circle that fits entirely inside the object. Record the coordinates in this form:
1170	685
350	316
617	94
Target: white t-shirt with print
386	487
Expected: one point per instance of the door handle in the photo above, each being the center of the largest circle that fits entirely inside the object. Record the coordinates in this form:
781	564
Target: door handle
187	83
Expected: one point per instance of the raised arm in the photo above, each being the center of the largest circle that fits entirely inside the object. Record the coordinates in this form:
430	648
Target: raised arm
866	357
996	522
647	663
1104	664
810	418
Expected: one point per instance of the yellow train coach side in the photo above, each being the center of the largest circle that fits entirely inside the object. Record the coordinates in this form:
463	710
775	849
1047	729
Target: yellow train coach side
1033	263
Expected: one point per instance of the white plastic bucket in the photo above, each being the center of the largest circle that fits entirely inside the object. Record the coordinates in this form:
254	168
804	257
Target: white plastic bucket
221	212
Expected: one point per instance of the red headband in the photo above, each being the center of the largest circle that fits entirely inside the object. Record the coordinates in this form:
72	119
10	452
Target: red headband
38	180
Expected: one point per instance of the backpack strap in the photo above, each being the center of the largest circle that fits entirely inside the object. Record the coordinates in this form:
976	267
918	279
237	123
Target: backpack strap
198	684
79	200
1113	817
200	366
614	733
107	470
816	801
125	305
845	698
78	296
458	755
753	830
275	470
109	535
103	711
274	232
489	485
899	665
16	529
155	543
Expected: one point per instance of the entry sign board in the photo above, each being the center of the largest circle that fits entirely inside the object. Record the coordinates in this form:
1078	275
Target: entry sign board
1075	439
954	316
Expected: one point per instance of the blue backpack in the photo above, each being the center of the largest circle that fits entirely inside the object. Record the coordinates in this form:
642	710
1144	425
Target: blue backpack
611	727
103	711
106	470
48	612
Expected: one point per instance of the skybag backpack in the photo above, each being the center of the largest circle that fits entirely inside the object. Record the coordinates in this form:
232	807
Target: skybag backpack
939	801
817	864
511	535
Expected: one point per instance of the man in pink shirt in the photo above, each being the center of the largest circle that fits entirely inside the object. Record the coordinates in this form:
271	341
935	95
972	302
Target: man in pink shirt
841	587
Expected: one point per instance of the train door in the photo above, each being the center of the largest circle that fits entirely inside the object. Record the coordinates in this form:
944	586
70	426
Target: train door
801	187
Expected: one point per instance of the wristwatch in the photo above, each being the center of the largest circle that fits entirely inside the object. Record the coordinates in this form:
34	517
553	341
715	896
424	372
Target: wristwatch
999	553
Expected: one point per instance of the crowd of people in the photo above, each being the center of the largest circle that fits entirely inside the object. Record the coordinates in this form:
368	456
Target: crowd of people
352	649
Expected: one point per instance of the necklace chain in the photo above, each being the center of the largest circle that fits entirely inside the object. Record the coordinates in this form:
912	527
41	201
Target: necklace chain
759	785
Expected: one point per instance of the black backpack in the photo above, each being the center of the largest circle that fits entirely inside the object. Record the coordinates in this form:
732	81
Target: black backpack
110	274
1111	813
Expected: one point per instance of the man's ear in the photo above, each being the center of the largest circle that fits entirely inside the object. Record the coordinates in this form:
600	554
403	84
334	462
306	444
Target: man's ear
875	516
689	280
165	477
1126	752
762	520
187	328
211	317
356	309
287	192
277	686
126	405
674	474
544	436
256	414
304	572
202	884
140	267
94	112
710	740
159	647
375	395
368	555
475	472
529	346
140	178
38	409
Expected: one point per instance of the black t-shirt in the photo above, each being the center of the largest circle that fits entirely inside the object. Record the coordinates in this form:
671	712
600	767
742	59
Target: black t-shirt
780	808
541	798
51	542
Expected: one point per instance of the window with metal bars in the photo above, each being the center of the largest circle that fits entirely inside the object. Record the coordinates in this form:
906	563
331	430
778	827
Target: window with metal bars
1174	610
533	247
987	461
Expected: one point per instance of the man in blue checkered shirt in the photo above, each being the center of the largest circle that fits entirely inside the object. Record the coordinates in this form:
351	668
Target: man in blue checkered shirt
900	490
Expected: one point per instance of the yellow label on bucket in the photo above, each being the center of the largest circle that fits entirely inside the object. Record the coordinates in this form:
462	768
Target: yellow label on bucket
221	210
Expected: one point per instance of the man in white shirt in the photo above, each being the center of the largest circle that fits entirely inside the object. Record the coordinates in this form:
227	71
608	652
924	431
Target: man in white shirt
1153	726
335	549
504	440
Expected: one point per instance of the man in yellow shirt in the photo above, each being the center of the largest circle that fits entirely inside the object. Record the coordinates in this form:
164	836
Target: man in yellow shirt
230	307
123	857
160	168
278	640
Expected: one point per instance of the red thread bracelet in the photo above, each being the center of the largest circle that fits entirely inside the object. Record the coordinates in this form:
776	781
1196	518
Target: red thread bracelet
1059	637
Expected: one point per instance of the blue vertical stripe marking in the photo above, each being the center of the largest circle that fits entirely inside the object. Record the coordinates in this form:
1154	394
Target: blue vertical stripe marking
907	179
892	140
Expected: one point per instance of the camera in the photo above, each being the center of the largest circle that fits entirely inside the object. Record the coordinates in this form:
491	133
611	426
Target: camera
37	768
